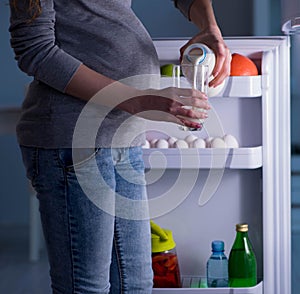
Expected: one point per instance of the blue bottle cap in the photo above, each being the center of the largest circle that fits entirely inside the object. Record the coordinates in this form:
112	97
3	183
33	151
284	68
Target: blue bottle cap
217	245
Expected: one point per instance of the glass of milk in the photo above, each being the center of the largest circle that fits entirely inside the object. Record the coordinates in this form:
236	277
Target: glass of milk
191	76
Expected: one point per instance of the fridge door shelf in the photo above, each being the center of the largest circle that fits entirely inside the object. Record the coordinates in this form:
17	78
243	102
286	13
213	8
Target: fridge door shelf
235	86
258	289
242	87
206	158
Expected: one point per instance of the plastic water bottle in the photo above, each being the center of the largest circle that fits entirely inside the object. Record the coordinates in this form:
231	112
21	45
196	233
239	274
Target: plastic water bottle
242	265
217	266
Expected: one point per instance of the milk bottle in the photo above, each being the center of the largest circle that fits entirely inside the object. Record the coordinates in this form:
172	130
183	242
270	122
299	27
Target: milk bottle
198	53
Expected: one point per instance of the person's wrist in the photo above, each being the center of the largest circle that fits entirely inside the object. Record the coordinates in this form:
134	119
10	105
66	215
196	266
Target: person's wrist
132	103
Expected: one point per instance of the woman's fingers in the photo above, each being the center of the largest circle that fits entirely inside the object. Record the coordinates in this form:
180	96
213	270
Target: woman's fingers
179	105
189	92
194	113
193	98
221	69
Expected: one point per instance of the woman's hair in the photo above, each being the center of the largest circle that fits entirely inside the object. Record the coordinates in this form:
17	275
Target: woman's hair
33	7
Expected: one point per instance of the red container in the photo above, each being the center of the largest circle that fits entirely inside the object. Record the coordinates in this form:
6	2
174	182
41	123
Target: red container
166	269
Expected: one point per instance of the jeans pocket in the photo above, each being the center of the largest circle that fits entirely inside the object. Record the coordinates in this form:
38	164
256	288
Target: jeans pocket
71	158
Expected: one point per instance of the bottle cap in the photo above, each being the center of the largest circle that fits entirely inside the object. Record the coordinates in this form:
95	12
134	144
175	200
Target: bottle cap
217	245
197	53
161	239
242	227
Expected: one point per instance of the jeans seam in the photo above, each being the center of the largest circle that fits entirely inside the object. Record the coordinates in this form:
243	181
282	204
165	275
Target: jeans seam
69	229
36	161
35	165
118	258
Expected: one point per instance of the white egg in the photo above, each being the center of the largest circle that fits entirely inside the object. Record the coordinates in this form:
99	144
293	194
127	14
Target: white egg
162	143
171	141
198	143
181	144
208	142
190	138
153	143
218	142
146	145
231	141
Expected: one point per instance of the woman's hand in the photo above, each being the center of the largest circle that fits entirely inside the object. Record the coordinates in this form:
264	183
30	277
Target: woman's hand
171	104
212	37
161	105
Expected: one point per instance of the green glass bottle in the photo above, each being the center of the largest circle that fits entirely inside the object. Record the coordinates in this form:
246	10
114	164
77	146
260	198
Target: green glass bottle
242	268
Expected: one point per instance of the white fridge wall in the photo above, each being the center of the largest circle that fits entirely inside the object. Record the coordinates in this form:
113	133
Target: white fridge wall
246	110
259	196
238	199
244	121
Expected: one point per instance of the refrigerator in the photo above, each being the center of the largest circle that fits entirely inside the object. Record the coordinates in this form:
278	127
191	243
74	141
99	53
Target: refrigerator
202	193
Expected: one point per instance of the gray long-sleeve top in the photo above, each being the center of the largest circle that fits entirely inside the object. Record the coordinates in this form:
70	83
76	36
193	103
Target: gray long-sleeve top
106	36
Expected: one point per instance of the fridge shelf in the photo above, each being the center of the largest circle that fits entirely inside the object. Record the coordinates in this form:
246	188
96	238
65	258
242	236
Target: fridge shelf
235	86
242	86
206	158
258	289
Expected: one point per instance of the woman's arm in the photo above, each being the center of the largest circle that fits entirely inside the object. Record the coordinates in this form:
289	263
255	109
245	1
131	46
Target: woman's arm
33	41
201	13
159	105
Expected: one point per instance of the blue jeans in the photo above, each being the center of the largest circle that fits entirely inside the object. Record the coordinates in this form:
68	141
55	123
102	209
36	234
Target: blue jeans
90	249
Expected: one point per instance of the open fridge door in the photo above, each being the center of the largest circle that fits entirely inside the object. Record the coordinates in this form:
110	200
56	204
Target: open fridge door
249	184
